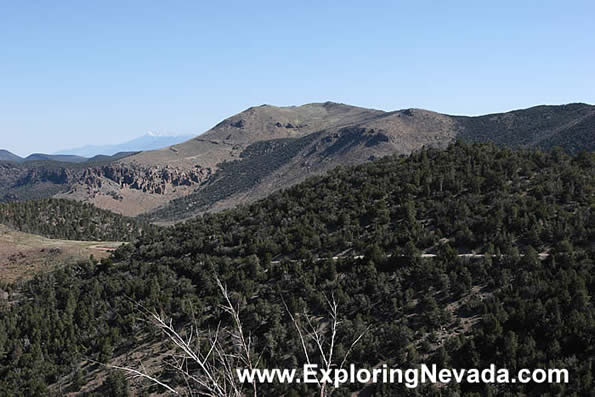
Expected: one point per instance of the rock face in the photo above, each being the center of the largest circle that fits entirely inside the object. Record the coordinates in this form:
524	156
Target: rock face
155	180
58	176
152	180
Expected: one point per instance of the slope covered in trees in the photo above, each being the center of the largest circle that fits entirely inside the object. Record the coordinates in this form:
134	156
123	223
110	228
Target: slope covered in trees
569	126
511	306
71	220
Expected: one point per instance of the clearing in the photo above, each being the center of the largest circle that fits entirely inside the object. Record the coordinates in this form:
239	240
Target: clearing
22	255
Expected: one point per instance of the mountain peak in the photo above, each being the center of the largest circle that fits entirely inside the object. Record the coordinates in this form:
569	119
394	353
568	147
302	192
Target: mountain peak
161	134
266	121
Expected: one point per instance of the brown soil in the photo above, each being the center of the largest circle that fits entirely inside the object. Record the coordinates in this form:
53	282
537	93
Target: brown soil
23	255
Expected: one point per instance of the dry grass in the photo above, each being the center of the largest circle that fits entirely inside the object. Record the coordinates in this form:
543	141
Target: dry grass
22	255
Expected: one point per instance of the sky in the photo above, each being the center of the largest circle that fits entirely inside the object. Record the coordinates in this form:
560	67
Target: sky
103	72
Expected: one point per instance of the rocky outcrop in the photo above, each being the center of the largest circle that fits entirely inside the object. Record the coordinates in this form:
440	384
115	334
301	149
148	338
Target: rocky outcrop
58	176
155	180
150	180
348	138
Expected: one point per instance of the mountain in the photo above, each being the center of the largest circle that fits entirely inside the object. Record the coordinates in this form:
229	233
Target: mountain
42	158
55	157
150	141
102	158
569	126
464	257
5	155
257	154
267	148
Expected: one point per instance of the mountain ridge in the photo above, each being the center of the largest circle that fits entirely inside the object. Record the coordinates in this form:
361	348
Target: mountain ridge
265	148
378	134
67	158
6	155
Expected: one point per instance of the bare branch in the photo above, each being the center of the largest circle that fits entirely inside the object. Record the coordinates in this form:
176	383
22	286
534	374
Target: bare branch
137	374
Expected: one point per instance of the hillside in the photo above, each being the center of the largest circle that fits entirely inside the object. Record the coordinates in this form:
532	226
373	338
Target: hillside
449	256
313	139
71	220
569	126
39	235
245	164
258	172
262	149
55	157
5	155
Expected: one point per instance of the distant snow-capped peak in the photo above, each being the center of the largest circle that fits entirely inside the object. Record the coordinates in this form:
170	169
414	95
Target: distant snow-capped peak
157	133
163	134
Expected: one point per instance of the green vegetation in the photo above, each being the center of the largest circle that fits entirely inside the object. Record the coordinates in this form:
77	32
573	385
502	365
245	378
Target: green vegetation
509	307
568	126
70	220
258	161
578	137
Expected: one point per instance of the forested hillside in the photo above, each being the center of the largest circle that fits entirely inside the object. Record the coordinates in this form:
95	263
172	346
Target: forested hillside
71	220
521	300
570	126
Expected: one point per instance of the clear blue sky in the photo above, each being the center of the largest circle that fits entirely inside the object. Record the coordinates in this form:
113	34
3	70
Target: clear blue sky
82	72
